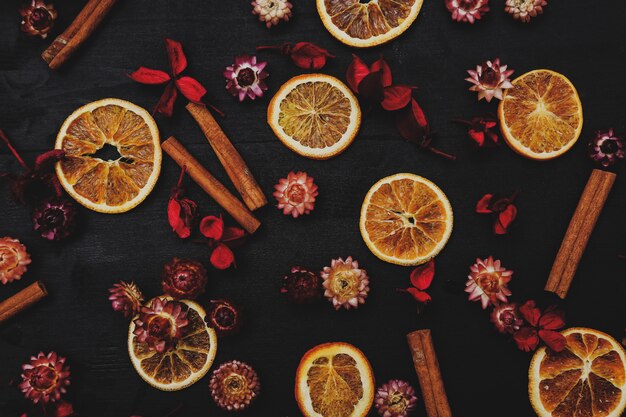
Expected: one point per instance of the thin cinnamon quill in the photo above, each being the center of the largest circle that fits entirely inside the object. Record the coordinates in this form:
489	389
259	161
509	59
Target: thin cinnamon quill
579	230
232	161
22	300
77	32
210	185
428	373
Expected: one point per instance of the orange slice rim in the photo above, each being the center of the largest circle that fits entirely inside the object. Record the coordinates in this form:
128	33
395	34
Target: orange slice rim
369	24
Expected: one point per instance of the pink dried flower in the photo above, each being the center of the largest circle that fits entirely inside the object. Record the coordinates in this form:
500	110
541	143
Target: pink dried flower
606	148
184	278
490	79
467	10
45	377
13	260
296	194
234	385
524	10
272	12
246	77
507	318
161	324
126	298
38	18
487	282
396	398
345	284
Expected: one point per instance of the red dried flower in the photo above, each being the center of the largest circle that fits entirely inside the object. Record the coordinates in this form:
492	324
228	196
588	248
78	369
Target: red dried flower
55	219
467	10
606	148
184	278
502	208
181	211
38	18
421	278
221	238
540	326
481	130
64	409
45	378
301	286
126	298
161	324
223	316
507	318
246	77
234	386
305	55
189	87
296	194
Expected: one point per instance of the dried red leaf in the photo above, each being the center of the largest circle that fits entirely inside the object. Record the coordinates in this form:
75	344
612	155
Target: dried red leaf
412	125
307	55
502	208
483	205
504	220
396	97
554	340
371	88
526	338
222	257
192	89
552	319
422	276
480	130
542	326
149	76
530	312
381	65
232	234
420	296
212	227
357	70
176	56
181	214
165	105
63	409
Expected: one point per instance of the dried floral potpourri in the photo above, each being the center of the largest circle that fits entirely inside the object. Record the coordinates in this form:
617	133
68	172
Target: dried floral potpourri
502	209
245	78
126	298
14	260
45	378
220	239
234	386
487	282
490	79
345	284
296	194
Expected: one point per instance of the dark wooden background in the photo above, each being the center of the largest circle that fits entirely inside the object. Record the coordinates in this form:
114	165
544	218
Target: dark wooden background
484	372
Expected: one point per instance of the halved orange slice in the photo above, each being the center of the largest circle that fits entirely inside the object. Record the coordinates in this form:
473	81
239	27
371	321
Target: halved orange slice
109	185
406	219
334	380
186	363
367	23
587	378
315	115
541	117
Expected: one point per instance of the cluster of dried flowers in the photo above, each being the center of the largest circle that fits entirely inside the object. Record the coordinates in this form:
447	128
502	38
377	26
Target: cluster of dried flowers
488	283
54	216
374	86
472	10
343	283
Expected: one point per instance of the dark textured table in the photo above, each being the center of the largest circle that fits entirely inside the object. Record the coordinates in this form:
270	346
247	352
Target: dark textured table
484	373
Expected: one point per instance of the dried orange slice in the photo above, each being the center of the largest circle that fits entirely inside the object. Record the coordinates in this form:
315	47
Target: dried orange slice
315	115
541	117
588	378
367	23
334	380
406	219
183	365
115	184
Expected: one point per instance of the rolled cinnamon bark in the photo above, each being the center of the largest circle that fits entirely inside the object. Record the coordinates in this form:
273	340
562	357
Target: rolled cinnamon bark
22	300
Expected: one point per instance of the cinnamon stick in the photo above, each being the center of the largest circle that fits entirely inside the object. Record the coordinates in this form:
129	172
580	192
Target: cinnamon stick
85	23
579	230
233	163
428	373
210	185
22	300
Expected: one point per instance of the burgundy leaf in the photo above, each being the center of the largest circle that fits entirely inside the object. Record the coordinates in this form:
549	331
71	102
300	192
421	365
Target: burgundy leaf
212	227
555	340
149	76
307	55
357	70
222	257
192	89
409	127
165	105
371	88
530	312
422	276
176	56
382	66
419	296
483	205
419	115
232	234
45	160
396	97
526	338
552	319
504	219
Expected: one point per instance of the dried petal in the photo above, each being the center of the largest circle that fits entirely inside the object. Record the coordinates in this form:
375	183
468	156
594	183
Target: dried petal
149	76
504	220
396	97
419	296
165	105
381	65
422	276
530	312
191	88
212	227
232	234
483	205
526	338
308	55
552	319
176	56
357	70
555	340
222	257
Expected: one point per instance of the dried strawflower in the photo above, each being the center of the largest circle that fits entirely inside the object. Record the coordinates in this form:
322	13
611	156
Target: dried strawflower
272	12
540	326
161	324
502	209
296	194
481	129
234	385
221	239
396	398
126	298
184	278
305	55
181	211
301	286
507	318
487	282
189	87
223	316
38	18
55	219
606	148
45	378
345	284
490	79
421	278
524	10
13	260
246	77
467	10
